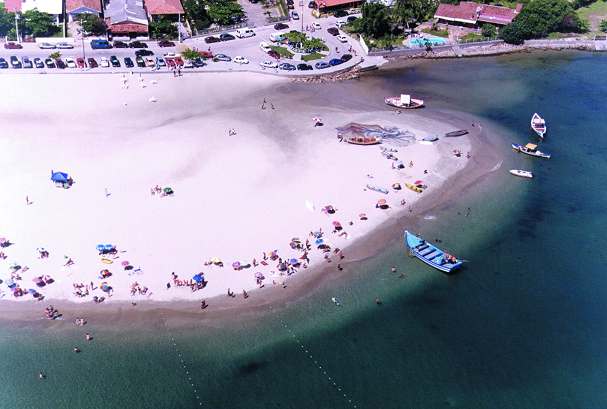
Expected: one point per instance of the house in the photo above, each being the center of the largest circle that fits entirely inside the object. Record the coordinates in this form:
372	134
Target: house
469	13
75	7
52	7
327	6
168	8
126	18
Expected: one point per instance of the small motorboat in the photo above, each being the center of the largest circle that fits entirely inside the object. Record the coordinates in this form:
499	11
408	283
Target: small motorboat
377	189
454	134
530	149
413	187
363	140
404	102
538	124
336	301
522	173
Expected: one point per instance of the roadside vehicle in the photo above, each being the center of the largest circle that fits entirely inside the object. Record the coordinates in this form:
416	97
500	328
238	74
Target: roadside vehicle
120	44
340	13
26	62
139	61
47	46
206	54
70	63
179	61
342	38
290	5
49	63
137	44
351	19
3	63
280	26
166	43
198	62
128	62
100	44
317	26
92	62
222	57
285	66
333	31
150	62
346	57
38	63
104	62
80	63
211	39
170	62
15	63
277	37
294	15
268	64
188	64
274	54
12	46
304	67
59	63
335	61
321	65
160	62
65	46
312	5
340	23
239	59
265	47
353	10
143	53
226	37
244	33
114	61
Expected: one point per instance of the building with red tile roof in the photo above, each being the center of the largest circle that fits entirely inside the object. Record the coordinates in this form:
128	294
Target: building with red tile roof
73	8
322	5
12	6
163	7
471	13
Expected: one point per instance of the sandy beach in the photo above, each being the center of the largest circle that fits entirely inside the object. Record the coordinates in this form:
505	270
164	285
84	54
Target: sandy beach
246	181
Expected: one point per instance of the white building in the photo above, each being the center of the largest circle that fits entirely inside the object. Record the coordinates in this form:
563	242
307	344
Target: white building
52	7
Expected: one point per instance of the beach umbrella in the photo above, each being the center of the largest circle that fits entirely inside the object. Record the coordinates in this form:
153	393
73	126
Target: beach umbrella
336	223
199	278
236	265
294	262
259	275
100	247
319	242
125	263
418	182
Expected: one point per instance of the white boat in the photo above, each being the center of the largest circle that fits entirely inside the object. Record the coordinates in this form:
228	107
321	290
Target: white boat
530	149
336	301
538	124
522	173
404	102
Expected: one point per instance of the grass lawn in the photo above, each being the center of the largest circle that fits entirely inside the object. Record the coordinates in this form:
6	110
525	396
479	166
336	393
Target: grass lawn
313	56
282	51
593	14
472	37
438	33
386	42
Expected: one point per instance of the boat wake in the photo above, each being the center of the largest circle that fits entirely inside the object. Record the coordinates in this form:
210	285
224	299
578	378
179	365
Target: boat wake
497	166
429	217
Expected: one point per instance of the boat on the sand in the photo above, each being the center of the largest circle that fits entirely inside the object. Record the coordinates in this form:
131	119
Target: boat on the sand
453	134
521	173
430	254
415	188
363	140
404	102
530	149
378	189
538	124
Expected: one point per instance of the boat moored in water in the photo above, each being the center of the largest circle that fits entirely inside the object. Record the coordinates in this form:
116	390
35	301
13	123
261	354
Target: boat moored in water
530	149
521	173
404	102
430	254
538	124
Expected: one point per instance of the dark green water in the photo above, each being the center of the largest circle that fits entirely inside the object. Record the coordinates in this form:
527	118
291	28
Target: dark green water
523	326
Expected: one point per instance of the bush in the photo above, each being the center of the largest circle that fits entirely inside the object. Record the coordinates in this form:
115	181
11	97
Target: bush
225	12
196	14
162	27
92	24
375	20
603	26
488	30
190	54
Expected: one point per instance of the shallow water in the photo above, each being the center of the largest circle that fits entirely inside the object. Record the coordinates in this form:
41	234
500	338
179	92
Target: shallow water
523	325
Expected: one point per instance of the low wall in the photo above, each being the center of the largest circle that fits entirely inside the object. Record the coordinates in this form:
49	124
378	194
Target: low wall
55	40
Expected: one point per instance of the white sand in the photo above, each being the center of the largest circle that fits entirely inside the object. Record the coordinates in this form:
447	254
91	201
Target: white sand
235	196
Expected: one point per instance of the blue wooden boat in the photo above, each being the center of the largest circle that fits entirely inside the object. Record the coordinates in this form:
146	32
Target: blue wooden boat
430	254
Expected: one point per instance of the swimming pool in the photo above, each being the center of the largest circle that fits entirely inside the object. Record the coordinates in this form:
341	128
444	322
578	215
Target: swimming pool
421	42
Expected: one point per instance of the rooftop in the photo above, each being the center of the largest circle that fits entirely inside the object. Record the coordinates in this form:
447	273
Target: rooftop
71	5
123	11
471	12
12	6
156	7
333	3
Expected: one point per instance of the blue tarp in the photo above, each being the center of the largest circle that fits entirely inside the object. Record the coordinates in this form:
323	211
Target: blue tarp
59	177
199	278
105	247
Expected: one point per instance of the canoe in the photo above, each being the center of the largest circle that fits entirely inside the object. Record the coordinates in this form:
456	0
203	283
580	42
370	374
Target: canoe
377	189
430	254
106	261
453	134
414	187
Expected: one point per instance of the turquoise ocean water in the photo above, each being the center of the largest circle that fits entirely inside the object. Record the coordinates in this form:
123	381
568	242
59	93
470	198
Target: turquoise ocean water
524	325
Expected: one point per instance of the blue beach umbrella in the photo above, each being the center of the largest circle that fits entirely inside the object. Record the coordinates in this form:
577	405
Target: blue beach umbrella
199	278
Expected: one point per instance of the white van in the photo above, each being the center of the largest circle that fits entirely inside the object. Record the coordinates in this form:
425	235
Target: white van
277	37
244	32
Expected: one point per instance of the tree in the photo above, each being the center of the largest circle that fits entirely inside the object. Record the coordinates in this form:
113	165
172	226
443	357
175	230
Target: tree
603	26
224	12
488	30
190	54
92	24
38	24
7	21
196	13
375	22
406	12
162	27
55	55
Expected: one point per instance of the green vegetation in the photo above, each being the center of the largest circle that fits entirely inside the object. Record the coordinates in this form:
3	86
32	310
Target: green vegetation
375	21
411	12
190	54
92	24
162	27
470	37
593	14
386	42
603	26
302	41
488	30
196	13
312	56
54	55
225	12
435	32
541	17
7	21
38	24
282	51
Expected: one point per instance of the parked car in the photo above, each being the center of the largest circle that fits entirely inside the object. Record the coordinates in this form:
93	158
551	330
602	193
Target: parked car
317	26
38	63
342	38
265	47
304	67
333	31
351	19
198	62
294	15
26	62
274	54
245	32
59	63
268	64
226	37
239	59
290	6
211	39
206	54
285	66
50	63
150	62
128	62
92	62
160	62
179	61
104	62
65	46
312	5
3	63
100	44
120	44
80	63
346	57
280	26
46	46
114	61
188	64
70	63
335	61
15	63
222	57
170	62
340	13
340	23
321	65
139	61
137	44
166	43
143	53
12	46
